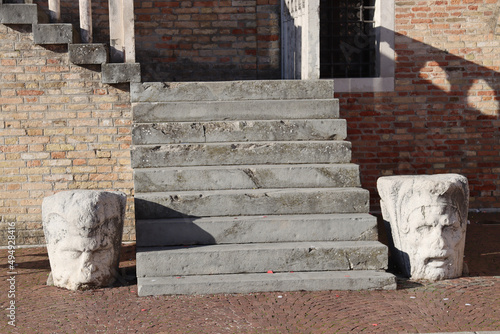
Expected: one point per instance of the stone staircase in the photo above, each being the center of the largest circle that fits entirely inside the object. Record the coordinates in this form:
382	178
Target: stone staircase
45	33
235	180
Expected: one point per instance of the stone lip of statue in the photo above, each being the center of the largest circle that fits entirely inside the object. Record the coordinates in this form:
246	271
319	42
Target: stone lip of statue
83	230
427	216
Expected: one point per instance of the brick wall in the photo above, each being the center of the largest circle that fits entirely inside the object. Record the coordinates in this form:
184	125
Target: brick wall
60	129
443	116
208	40
178	40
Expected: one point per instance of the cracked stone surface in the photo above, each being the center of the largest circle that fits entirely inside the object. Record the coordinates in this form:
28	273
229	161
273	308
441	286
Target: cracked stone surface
246	177
230	90
83	230
241	153
427	215
238	131
251	202
282	257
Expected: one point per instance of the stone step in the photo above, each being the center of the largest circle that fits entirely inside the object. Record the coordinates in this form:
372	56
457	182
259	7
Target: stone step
195	111
248	283
116	73
53	33
238	131
231	90
256	229
261	257
246	177
214	154
250	202
88	54
20	13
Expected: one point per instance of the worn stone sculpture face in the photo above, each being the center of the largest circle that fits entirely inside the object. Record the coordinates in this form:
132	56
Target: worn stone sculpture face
83	230
428	219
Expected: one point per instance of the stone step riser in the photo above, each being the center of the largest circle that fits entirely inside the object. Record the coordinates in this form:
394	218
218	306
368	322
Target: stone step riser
231	90
255	229
251	202
245	177
216	154
259	258
20	13
248	283
60	33
234	110
238	131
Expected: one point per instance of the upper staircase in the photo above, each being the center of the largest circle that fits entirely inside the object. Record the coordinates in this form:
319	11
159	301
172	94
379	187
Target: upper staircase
235	180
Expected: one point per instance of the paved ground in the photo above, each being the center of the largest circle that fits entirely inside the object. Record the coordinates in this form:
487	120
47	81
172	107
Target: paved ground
459	305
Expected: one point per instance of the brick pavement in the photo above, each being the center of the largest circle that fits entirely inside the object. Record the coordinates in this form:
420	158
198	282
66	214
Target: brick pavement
464	304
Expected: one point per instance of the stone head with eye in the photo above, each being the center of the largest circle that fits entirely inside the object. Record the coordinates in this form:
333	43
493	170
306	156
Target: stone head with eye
83	230
428	219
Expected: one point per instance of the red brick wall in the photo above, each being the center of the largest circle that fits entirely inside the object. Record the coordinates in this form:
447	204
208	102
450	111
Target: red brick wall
444	114
179	40
208	40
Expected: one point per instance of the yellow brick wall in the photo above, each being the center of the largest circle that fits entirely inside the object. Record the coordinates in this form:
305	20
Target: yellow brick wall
60	129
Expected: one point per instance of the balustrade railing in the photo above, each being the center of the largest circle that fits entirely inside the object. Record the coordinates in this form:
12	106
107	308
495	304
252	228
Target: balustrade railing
300	39
121	26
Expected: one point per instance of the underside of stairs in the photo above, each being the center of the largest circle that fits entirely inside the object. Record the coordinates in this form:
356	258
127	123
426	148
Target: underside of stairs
45	33
248	187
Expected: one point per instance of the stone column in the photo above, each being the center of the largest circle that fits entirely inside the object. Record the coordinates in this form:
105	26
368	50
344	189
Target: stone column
86	20
427	219
54	10
121	30
300	39
83	231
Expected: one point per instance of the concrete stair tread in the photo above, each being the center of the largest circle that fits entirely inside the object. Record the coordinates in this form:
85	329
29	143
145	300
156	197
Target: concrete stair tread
241	153
250	192
231	90
246	202
239	131
21	13
246	177
234	110
260	246
256	229
115	73
53	33
264	282
261	257
88	54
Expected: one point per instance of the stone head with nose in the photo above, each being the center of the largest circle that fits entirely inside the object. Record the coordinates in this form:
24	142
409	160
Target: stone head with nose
83	230
428	219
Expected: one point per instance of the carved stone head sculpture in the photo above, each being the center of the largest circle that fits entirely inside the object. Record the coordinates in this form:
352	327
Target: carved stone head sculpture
428	218
83	230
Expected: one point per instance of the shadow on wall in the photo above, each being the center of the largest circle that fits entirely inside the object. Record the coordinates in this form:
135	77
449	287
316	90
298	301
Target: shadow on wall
443	117
207	41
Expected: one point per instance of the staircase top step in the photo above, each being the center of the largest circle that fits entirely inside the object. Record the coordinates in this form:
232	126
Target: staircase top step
231	90
247	283
236	110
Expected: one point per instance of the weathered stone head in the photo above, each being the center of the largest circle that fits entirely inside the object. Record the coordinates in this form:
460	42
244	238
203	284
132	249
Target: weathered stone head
83	230
428	219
